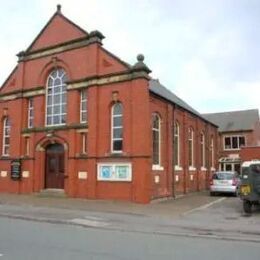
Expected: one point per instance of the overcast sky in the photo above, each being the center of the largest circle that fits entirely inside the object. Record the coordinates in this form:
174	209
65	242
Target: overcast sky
206	51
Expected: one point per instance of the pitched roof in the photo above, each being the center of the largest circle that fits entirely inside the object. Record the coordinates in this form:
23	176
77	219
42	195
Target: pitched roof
56	24
235	120
157	88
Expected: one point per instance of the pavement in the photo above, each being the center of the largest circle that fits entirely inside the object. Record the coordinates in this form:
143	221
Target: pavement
194	215
168	208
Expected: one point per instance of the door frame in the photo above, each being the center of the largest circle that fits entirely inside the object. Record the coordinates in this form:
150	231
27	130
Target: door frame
54	154
40	162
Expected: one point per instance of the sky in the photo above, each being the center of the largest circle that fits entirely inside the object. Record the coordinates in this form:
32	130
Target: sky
207	52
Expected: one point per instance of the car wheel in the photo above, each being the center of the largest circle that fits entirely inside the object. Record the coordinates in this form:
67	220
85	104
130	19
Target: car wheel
212	193
247	206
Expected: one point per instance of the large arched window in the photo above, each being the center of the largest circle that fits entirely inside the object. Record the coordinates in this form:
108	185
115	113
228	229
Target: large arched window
117	128
202	150
56	104
6	137
176	144
190	146
156	128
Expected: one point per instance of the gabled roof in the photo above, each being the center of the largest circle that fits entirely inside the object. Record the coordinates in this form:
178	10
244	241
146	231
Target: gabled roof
157	88
242	120
65	28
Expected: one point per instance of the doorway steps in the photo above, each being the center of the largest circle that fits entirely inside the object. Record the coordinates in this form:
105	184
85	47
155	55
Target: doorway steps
52	193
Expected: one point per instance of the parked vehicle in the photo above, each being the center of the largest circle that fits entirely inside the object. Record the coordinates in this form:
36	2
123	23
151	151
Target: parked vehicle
250	184
224	182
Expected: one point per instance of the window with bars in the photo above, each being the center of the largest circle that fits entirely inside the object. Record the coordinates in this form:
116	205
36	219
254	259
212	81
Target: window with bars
30	113
190	146
117	128
156	134
6	137
83	106
176	144
56	101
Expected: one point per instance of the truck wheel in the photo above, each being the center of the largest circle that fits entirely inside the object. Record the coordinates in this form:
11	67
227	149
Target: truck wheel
247	205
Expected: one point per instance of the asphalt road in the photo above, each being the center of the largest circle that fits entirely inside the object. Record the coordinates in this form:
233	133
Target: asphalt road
26	240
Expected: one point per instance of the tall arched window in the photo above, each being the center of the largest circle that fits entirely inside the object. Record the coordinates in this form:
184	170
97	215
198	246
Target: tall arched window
202	150
156	128
56	104
176	144
191	145
6	137
212	153
117	128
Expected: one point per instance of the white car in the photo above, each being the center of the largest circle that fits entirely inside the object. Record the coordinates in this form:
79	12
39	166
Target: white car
224	182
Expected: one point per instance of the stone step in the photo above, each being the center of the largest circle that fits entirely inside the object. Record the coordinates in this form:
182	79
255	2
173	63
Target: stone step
54	193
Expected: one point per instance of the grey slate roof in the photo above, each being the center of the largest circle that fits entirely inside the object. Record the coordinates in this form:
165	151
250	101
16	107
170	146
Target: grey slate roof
157	88
234	120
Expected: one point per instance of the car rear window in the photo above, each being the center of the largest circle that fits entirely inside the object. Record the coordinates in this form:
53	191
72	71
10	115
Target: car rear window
223	176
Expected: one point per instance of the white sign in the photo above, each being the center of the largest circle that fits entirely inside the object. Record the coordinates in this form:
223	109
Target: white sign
114	172
3	174
82	175
25	174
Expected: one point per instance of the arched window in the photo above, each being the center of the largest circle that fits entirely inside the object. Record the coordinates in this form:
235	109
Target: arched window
156	128
6	137
212	153
56	104
191	145
202	150
176	144
83	106
117	128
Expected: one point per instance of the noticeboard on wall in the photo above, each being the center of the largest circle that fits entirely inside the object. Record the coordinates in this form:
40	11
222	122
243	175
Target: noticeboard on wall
16	169
114	172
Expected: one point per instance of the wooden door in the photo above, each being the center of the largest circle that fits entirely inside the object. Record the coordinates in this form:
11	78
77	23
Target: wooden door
54	173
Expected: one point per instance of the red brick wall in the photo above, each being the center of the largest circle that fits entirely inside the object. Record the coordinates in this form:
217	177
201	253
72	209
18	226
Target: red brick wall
250	153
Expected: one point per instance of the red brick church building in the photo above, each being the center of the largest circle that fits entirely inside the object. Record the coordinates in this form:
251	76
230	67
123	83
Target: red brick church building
76	118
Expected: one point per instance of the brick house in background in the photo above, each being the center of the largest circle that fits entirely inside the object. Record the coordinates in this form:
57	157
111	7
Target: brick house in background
237	129
76	118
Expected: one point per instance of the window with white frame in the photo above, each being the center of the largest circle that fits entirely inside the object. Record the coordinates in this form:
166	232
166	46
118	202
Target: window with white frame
212	153
176	144
56	101
83	106
30	113
156	129
6	137
233	142
117	128
190	146
202	150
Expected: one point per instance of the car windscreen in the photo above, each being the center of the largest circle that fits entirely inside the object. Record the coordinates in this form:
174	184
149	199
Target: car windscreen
224	176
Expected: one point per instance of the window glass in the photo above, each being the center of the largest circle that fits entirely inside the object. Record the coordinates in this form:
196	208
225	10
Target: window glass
176	144
56	98
190	146
6	136
156	138
117	128
30	113
83	106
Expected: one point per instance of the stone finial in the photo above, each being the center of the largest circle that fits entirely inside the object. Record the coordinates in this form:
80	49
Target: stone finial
140	57
59	8
140	65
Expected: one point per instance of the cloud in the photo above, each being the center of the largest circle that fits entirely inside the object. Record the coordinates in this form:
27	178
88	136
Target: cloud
207	52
